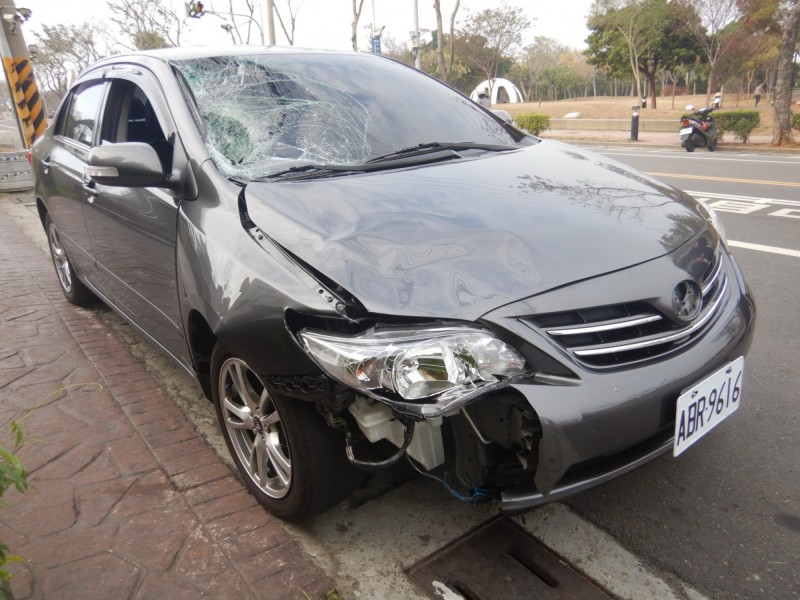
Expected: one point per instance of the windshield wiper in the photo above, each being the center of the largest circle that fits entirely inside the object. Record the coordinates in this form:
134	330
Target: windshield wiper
439	146
312	170
411	156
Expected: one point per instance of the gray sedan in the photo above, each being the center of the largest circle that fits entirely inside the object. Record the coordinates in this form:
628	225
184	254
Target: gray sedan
361	266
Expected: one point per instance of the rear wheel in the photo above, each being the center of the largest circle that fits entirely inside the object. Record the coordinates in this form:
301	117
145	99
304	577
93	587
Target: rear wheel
293	463
689	144
74	289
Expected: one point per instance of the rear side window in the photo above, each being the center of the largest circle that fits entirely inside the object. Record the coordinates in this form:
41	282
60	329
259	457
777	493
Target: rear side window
82	115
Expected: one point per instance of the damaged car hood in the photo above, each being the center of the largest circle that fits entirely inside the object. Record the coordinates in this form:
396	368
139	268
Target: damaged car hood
461	238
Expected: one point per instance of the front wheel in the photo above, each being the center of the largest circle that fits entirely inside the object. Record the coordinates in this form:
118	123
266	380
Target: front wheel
293	463
712	145
74	289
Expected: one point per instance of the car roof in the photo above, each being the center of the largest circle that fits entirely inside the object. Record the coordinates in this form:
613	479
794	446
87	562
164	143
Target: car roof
194	52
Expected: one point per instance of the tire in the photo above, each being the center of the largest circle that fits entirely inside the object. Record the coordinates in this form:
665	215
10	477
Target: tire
74	289
289	458
712	145
689	144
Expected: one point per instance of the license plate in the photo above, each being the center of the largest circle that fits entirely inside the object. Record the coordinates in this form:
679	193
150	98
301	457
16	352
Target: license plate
685	131
706	404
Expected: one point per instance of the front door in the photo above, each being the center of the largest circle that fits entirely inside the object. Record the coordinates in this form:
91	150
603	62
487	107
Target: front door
133	230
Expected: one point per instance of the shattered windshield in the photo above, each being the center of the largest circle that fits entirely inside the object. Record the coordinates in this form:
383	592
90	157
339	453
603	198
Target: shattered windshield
264	114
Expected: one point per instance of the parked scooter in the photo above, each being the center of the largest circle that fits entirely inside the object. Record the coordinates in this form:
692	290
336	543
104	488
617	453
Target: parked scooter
698	130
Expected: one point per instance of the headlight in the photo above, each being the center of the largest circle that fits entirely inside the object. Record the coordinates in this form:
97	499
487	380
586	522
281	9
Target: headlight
414	365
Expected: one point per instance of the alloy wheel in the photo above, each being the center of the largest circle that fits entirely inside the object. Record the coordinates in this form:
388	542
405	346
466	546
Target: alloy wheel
255	428
60	260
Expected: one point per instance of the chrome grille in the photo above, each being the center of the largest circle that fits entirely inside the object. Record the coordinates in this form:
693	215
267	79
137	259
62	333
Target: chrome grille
622	334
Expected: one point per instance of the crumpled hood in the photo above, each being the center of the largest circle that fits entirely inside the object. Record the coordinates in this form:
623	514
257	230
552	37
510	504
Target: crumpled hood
461	238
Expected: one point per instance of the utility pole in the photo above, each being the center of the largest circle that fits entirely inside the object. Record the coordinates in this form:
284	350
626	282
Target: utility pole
28	104
271	21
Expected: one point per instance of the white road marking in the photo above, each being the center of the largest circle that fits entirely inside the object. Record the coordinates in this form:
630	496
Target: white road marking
763	248
788	160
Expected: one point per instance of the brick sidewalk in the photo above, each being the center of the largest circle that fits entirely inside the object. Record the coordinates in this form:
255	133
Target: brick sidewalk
127	500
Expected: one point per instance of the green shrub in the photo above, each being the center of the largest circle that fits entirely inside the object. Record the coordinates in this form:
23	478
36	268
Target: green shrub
533	123
740	123
795	121
12	474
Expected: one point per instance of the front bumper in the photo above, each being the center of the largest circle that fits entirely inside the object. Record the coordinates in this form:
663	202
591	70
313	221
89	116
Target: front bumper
607	421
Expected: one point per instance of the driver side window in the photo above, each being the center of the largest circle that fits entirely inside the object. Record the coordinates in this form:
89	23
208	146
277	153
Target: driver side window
130	117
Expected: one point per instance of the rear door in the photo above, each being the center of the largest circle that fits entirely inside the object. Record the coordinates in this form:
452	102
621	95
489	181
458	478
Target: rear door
62	182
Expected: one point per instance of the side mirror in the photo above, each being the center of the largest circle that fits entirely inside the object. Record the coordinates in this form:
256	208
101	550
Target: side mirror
128	164
503	114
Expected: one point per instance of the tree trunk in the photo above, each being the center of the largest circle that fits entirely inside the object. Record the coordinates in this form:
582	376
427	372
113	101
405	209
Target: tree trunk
437	6
356	16
782	130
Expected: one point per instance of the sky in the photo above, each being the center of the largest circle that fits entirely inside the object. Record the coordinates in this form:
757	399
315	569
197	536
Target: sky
326	23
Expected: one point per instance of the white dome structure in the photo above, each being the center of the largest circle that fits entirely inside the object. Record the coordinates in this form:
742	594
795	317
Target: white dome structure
503	91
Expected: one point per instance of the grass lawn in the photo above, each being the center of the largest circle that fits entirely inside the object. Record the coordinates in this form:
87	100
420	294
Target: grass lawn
608	107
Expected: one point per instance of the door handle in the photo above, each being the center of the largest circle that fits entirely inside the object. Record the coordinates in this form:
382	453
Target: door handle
89	190
46	165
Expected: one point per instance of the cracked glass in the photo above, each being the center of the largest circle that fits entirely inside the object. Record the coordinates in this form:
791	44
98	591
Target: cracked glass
263	114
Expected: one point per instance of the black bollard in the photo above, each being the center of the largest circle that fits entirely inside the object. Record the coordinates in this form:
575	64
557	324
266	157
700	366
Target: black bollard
635	124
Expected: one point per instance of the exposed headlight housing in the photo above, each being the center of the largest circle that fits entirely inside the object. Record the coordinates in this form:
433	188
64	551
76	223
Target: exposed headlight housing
414	366
716	223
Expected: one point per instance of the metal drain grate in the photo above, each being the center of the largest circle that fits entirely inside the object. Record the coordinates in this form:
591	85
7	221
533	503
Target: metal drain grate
500	561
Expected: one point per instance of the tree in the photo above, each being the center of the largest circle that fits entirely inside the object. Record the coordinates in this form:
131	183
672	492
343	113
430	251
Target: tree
708	30
357	6
148	23
501	31
64	51
292	10
232	24
444	69
649	34
782	131
544	52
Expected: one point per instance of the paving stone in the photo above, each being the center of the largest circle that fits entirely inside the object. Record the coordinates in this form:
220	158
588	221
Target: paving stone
42	355
226	505
200	475
180	449
188	462
132	455
173	436
71	462
99	576
293	583
112	514
213	490
69	546
102	468
250	543
150	491
200	558
42	511
153	538
268	563
158	586
95	502
236	524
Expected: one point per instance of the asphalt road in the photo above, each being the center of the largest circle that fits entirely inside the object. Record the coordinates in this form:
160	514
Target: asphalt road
725	516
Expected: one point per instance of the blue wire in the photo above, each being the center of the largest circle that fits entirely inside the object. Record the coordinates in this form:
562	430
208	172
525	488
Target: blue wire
477	493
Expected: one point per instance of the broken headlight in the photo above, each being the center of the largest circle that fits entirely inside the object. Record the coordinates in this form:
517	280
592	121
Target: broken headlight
414	365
